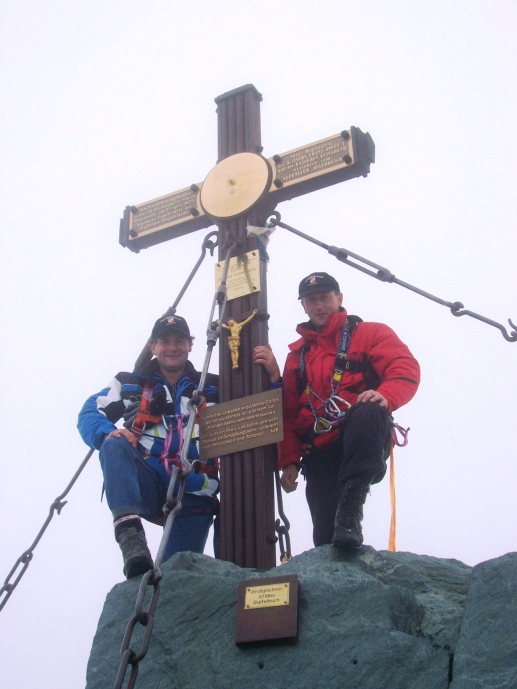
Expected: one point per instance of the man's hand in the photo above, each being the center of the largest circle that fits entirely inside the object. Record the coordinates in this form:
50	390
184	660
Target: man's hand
124	433
373	396
263	354
288	479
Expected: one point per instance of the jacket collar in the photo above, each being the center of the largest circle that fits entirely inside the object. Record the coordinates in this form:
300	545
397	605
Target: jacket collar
334	324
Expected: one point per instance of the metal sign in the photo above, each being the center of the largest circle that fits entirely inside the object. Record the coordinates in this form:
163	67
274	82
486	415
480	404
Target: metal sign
241	424
259	622
243	275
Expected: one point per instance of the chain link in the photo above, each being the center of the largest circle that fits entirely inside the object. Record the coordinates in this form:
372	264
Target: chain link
284	540
129	657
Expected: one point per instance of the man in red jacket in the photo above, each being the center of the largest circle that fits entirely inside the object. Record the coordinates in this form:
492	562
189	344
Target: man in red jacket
342	379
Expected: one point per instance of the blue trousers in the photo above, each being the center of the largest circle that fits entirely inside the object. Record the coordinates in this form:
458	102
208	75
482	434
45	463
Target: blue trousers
137	486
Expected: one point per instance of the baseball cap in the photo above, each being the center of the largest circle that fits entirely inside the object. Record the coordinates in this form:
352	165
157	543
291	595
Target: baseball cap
164	323
317	282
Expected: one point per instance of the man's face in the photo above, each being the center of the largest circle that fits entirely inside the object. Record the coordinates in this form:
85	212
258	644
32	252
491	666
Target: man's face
319	306
171	350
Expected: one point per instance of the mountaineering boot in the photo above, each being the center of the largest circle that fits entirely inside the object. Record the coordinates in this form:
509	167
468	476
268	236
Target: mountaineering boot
137	558
349	515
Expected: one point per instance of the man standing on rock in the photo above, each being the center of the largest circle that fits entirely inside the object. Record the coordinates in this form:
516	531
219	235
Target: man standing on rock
136	460
342	379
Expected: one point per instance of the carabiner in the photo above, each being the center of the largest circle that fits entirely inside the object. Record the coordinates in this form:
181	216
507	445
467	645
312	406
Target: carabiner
331	407
321	425
340	399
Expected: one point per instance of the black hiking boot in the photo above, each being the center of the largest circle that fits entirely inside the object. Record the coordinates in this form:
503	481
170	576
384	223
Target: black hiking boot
349	515
137	558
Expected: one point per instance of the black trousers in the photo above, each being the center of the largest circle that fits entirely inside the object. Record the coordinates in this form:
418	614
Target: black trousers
359	455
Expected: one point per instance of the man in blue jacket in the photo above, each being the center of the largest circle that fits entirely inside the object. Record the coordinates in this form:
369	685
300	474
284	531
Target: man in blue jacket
136	459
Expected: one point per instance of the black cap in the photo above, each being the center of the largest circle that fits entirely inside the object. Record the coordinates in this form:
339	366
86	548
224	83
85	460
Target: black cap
317	282
164	323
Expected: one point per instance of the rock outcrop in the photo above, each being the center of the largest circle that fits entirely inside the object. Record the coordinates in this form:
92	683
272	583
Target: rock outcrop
369	621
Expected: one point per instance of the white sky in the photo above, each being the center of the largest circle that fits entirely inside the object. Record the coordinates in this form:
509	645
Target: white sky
110	103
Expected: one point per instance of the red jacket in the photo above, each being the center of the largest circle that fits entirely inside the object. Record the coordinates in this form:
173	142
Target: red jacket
391	363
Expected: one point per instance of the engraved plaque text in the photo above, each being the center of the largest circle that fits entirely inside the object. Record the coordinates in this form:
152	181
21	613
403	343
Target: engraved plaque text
165	211
243	275
241	424
267	596
313	160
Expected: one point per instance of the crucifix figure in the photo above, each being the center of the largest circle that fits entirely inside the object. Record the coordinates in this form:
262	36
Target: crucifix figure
242	190
234	338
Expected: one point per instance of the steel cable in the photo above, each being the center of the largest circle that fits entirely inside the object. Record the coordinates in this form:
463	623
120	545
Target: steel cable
385	275
26	557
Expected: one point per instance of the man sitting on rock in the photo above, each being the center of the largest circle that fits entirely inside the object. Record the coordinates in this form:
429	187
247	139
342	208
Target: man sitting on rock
136	460
342	379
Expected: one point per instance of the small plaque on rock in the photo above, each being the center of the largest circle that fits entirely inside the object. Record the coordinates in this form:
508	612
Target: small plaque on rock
267	611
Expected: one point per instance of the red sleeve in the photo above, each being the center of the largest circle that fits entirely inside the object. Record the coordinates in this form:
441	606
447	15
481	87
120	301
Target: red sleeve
396	367
290	448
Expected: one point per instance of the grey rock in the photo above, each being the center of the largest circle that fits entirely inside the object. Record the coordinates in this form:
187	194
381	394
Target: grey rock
367	621
486	654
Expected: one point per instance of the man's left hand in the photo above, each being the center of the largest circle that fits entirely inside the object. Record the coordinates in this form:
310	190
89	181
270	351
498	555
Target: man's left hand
373	396
263	354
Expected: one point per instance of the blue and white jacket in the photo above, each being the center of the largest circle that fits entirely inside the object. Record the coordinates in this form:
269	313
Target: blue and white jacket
121	399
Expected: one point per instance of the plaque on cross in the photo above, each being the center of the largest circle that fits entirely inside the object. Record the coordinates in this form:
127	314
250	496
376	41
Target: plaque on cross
243	189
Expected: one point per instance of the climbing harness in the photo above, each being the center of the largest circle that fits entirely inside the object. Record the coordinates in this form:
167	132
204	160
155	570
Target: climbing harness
166	457
385	275
173	505
144	414
333	413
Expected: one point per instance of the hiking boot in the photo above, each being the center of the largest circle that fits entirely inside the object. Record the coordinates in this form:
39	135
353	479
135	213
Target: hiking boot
349	515
137	558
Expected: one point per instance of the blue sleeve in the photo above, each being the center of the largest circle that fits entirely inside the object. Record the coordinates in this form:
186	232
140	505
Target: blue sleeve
92	424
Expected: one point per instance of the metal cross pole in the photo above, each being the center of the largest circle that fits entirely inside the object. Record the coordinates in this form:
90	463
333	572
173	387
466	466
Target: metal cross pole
243	189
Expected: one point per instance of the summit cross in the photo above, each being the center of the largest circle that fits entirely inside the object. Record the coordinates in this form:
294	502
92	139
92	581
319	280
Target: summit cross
243	189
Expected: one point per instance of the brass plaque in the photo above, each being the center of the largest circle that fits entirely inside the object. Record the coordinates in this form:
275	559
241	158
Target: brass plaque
243	275
241	424
326	155
268	596
235	184
165	211
267	611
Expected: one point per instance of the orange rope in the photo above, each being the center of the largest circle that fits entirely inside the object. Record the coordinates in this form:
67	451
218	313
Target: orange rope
392	545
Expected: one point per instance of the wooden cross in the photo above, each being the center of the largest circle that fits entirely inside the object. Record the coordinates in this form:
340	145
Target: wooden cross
243	189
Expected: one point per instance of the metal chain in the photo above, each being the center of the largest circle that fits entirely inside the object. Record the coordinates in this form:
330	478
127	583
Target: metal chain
172	506
26	557
282	529
385	275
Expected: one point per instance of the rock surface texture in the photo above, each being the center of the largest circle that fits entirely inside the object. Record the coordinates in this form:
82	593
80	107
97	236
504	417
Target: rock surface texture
373	620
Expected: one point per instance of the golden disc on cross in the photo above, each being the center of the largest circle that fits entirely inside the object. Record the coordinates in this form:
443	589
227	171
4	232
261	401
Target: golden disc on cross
235	185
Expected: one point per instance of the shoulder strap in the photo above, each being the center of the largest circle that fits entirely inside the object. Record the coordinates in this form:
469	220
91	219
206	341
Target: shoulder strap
144	415
342	363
